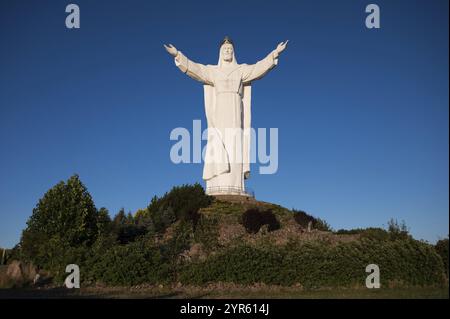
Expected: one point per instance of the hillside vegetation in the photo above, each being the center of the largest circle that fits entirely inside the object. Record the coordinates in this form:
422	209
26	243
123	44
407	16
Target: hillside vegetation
188	238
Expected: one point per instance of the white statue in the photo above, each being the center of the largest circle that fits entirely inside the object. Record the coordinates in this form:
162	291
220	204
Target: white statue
227	89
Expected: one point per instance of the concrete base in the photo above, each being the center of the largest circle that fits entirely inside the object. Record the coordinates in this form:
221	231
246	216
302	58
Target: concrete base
235	198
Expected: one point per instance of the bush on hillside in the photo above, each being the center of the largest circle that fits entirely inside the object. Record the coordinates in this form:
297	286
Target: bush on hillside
131	264
442	249
254	219
304	219
319	264
125	228
181	203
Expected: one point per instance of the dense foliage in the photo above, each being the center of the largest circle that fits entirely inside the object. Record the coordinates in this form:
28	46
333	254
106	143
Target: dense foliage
155	245
304	219
131	264
442	250
181	203
395	231
63	219
319	264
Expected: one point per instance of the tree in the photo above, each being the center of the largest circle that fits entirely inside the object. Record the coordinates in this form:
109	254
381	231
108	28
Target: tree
126	228
397	230
64	217
304	219
104	223
184	202
442	249
120	218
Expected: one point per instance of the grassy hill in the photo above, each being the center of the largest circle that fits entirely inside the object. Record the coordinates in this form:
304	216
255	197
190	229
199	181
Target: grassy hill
188	239
224	249
222	226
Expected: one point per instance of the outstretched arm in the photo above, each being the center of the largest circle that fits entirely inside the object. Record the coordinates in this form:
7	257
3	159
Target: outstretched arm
194	70
256	71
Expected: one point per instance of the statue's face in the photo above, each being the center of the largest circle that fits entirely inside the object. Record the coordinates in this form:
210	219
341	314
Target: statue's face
227	52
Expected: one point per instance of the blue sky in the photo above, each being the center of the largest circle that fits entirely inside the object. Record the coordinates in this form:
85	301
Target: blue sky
362	114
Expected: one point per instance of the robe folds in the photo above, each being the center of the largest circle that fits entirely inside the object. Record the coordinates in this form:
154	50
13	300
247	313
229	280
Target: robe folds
227	94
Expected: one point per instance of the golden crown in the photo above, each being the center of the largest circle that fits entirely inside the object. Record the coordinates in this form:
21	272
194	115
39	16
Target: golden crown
227	39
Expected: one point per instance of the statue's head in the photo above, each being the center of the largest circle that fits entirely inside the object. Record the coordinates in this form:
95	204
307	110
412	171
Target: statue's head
227	50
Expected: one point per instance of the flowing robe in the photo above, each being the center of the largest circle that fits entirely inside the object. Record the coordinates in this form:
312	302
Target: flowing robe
227	106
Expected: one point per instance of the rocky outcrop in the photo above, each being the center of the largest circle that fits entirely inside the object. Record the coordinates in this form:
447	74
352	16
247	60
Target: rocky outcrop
21	273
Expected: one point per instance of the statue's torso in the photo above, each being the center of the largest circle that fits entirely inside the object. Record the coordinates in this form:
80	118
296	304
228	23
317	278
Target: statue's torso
227	80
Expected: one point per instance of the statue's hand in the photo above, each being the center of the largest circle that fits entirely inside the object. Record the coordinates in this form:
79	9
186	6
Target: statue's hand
171	49
282	46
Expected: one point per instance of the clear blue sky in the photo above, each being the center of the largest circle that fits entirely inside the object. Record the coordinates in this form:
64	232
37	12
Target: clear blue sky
362	114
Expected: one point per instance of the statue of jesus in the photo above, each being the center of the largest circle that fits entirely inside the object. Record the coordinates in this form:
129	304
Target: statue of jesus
227	92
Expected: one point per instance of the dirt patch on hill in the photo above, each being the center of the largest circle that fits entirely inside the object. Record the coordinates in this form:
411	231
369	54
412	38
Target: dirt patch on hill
290	231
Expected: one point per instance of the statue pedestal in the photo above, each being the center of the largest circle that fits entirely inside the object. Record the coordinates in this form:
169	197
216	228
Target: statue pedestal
235	198
229	191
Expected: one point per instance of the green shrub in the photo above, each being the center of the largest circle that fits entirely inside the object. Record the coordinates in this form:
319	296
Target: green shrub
442	249
243	264
322	225
162	218
126	229
181	203
180	240
320	264
104	224
375	234
353	231
397	230
254	219
303	219
131	264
